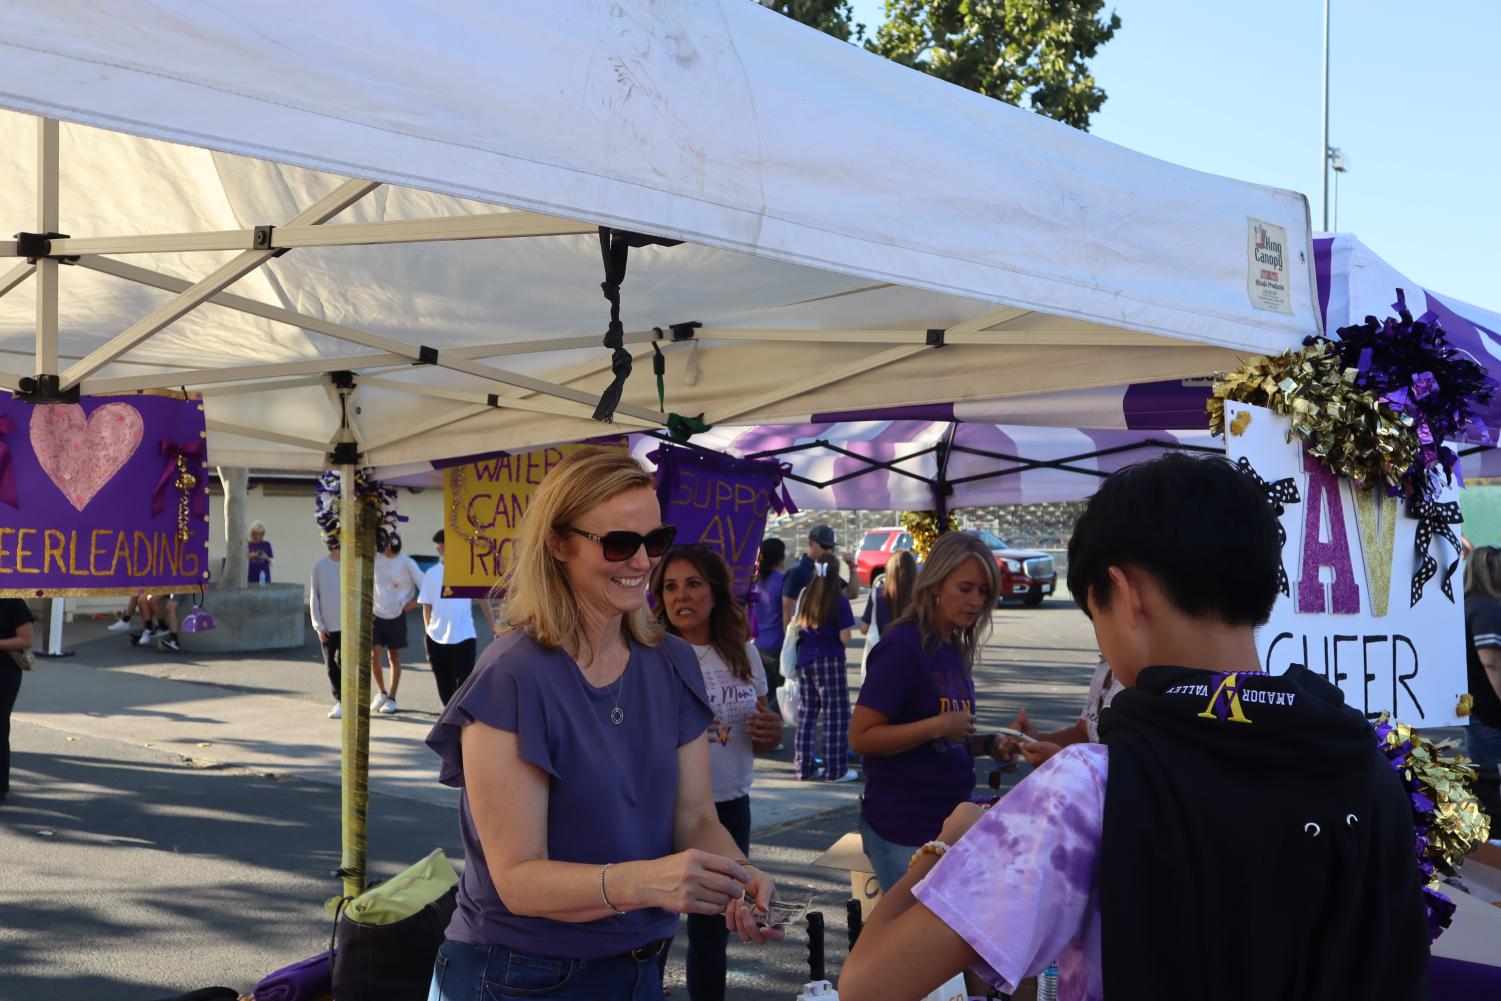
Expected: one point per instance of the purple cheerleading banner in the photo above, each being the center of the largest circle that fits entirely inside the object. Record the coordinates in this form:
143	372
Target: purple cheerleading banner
721	502
106	496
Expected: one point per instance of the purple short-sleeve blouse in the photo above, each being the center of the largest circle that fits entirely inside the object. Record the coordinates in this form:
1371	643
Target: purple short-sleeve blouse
612	789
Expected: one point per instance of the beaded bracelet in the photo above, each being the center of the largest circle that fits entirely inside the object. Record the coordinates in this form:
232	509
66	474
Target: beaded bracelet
602	894
935	848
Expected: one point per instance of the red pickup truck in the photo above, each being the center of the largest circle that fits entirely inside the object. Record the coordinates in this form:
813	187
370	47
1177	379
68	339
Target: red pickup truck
1026	574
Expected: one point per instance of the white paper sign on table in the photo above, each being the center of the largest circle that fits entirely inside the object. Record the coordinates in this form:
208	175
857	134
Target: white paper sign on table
1350	560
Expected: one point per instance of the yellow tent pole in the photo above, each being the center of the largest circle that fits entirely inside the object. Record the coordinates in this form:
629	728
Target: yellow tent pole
356	583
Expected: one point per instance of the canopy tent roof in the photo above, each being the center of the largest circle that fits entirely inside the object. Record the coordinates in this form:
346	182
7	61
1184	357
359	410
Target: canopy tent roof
894	458
1353	283
839	211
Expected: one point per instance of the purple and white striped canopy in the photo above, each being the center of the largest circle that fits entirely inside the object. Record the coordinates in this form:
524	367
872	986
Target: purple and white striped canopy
894	464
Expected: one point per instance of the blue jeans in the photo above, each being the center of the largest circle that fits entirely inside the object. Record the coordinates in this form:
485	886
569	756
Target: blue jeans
494	973
887	858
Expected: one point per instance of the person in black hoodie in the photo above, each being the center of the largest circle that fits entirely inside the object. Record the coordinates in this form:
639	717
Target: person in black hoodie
1237	836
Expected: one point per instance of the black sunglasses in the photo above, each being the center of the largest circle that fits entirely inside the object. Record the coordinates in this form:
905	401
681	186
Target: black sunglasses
621	545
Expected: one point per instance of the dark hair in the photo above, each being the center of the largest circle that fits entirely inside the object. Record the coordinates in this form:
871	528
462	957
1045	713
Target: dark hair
728	629
1202	528
821	596
438	536
773	551
393	543
1483	573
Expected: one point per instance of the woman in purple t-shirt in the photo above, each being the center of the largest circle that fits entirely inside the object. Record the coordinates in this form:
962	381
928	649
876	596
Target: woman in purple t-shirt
916	714
587	814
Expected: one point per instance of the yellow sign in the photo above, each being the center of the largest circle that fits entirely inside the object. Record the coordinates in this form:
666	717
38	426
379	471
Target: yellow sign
484	500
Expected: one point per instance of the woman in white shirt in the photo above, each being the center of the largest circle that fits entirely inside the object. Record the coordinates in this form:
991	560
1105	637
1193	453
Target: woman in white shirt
691	592
397	583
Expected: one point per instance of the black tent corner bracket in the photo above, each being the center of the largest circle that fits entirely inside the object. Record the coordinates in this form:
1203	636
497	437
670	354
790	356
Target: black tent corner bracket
345	453
35	246
44	389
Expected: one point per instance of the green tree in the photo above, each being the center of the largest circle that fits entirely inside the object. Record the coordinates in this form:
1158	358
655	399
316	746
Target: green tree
832	17
1030	53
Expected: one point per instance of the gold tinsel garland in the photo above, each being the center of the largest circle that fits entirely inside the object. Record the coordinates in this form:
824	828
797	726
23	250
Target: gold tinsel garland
1344	426
925	529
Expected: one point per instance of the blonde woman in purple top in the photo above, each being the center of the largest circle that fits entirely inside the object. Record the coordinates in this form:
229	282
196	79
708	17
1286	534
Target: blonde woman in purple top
587	813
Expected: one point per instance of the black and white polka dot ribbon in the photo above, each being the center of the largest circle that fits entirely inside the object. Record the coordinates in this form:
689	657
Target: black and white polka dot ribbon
1434	518
1279	494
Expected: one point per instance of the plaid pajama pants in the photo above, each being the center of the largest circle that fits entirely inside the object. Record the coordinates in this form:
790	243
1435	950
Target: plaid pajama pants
824	690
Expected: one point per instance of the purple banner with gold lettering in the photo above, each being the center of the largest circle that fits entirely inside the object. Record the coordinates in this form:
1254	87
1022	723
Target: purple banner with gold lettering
104	496
721	502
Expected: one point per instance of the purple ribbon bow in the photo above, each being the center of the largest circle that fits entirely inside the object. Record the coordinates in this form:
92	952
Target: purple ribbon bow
781	499
7	475
193	453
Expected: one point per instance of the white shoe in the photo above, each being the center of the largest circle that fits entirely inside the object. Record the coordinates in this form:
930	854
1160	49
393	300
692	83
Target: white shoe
388	707
147	635
337	712
379	701
848	776
119	625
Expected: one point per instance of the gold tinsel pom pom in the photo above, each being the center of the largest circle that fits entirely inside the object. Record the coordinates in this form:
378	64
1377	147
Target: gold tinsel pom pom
925	529
1344	426
1436	776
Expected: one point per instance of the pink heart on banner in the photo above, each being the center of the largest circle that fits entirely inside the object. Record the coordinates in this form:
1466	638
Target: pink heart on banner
81	454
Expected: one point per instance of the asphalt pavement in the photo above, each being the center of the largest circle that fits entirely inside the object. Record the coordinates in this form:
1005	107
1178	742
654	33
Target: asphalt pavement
173	821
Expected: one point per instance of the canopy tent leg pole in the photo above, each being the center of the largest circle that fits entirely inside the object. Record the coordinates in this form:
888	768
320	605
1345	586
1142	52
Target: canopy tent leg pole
46	267
942	488
356	579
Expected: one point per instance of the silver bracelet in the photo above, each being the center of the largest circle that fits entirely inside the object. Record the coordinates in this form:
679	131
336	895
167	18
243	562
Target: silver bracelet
602	894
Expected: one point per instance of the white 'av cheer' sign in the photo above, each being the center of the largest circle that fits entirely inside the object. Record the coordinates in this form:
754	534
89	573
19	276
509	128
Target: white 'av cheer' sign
1353	567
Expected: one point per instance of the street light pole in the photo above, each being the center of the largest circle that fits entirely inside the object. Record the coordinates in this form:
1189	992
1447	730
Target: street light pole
1324	146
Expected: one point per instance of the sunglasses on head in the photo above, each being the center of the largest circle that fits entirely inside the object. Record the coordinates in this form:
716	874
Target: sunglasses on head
621	545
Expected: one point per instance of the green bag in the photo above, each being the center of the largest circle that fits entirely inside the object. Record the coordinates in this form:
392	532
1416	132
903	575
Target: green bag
404	894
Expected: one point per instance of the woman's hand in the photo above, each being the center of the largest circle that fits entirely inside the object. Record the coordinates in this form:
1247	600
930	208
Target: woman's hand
1023	724
764	729
956	725
740	916
1006	749
960	821
691	882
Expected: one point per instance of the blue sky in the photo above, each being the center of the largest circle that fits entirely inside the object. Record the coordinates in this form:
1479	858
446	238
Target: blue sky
1233	89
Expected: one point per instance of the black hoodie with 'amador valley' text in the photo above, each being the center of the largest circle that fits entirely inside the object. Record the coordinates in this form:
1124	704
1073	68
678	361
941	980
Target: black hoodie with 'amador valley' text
1257	845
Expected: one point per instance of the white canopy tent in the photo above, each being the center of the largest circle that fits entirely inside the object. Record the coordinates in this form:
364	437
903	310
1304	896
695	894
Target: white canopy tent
844	217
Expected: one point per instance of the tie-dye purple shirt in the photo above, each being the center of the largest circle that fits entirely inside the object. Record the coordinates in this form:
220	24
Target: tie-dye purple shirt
1022	887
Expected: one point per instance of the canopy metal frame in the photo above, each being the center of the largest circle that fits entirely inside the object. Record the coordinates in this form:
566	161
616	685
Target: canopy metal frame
942	485
57	376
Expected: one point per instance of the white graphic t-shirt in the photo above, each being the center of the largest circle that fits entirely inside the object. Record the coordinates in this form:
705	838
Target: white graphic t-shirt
1102	689
731	759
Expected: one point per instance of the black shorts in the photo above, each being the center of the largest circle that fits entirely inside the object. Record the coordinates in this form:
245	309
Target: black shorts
390	633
